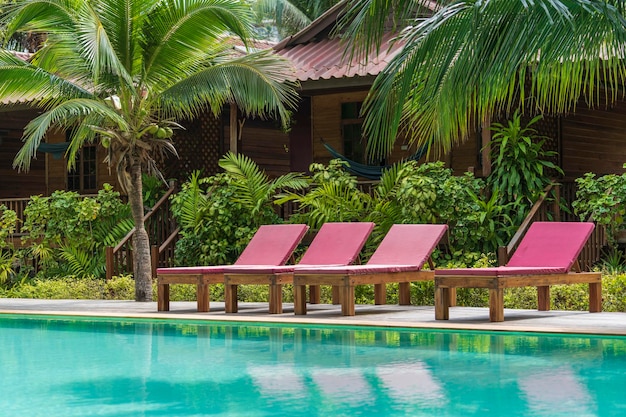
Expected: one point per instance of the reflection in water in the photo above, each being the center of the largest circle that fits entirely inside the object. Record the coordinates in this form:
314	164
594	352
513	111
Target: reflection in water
412	382
108	368
556	392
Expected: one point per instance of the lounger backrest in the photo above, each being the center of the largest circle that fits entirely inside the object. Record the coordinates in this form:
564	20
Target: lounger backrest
272	244
408	244
552	244
337	243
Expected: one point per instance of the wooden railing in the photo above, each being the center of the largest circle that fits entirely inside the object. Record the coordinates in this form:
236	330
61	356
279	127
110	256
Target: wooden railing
17	205
160	227
550	209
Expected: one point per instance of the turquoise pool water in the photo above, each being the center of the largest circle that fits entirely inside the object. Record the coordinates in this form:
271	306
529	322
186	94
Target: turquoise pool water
97	367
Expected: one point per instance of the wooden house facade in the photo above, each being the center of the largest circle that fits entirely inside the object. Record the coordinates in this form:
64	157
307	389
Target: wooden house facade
332	91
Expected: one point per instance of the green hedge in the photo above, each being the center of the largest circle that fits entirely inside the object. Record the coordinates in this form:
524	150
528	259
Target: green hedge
563	297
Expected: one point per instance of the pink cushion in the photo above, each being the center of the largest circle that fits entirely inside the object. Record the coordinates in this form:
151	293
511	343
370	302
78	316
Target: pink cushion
408	244
499	271
334	244
551	244
272	244
337	243
354	269
191	270
258	269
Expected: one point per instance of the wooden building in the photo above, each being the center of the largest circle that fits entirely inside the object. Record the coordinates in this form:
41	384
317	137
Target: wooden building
332	91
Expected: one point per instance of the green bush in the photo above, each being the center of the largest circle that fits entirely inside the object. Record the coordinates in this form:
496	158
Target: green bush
218	215
67	233
603	198
118	288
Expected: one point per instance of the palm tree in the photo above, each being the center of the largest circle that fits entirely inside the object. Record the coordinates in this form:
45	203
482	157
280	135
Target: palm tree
476	58
122	72
290	16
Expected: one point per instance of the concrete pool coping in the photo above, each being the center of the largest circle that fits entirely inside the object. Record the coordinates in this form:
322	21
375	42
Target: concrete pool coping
392	316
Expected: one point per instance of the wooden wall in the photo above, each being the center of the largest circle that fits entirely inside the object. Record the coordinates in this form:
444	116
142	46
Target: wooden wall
326	125
46	174
594	140
267	145
12	183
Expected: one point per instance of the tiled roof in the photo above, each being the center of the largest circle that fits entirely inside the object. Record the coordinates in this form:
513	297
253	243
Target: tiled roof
326	59
316	56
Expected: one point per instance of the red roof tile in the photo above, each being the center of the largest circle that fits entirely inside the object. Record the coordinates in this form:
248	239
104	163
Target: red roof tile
315	56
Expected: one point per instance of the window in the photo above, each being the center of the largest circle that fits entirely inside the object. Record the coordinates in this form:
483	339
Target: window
83	177
354	144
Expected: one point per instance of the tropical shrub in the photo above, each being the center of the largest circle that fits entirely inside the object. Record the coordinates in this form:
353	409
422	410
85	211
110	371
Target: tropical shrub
604	199
334	196
8	224
218	215
521	167
214	229
67	233
71	287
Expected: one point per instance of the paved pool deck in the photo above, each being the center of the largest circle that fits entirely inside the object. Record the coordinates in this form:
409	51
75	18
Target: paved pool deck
461	318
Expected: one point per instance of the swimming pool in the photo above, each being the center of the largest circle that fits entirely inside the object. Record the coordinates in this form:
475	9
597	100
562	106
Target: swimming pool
104	367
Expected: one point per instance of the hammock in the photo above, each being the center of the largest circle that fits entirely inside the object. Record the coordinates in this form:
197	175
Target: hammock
371	172
56	149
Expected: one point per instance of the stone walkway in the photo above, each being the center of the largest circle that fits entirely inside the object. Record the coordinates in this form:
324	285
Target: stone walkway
466	318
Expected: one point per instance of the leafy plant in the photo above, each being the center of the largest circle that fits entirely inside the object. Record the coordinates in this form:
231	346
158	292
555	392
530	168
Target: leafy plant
254	190
67	233
334	196
218	215
521	166
604	200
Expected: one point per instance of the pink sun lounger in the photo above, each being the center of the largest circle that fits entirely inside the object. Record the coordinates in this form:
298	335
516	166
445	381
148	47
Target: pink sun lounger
545	256
271	245
334	244
400	258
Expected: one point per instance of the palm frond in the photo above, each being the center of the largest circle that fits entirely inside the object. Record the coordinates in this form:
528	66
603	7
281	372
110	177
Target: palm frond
63	116
258	83
23	82
84	261
283	13
175	31
471	60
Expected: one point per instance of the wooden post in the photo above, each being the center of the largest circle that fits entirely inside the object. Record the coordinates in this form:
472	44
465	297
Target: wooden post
557	203
234	131
503	256
485	148
108	251
154	260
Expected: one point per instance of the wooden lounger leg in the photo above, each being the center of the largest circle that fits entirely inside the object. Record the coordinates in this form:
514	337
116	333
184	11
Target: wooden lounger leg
299	299
314	294
276	299
496	304
202	295
380	294
452	297
404	294
543	298
336	295
163	294
347	300
595	297
230	298
442	303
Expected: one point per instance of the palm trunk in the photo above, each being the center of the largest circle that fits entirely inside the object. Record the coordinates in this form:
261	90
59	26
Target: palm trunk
142	270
